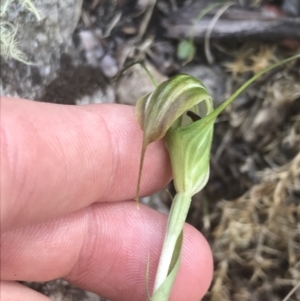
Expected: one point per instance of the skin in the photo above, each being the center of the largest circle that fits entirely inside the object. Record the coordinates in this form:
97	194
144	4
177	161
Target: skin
68	179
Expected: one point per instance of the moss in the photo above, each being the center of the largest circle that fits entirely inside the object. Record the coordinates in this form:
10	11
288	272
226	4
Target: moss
8	43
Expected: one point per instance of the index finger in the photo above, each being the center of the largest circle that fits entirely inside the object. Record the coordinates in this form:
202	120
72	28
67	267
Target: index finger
56	159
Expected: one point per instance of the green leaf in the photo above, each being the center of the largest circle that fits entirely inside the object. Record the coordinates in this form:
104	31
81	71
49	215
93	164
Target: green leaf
164	291
186	50
256	76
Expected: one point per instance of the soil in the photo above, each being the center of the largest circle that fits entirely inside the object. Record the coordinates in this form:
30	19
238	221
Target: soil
250	209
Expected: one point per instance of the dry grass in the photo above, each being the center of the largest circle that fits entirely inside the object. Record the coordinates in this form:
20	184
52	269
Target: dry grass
256	237
257	240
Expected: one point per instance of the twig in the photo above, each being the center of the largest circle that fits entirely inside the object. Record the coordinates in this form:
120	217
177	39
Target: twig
292	291
146	19
223	144
210	28
112	24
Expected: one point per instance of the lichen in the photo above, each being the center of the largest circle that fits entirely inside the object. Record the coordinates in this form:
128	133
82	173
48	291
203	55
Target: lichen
8	42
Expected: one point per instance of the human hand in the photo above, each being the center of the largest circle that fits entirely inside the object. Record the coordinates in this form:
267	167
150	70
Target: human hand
64	171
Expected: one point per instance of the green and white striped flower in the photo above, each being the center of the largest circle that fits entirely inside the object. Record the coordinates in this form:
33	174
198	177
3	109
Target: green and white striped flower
173	110
157	117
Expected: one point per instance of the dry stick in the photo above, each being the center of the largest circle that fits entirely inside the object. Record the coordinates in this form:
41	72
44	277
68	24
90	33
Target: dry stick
223	144
202	13
146	19
292	292
210	28
111	25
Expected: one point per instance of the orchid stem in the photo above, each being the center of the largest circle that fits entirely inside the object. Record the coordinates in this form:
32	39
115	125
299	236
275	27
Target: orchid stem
177	217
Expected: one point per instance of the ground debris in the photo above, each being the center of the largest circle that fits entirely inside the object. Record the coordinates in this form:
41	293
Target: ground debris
250	209
136	83
256	239
266	23
61	290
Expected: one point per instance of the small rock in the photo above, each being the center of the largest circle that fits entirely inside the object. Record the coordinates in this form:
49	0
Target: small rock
88	40
135	83
109	66
100	96
43	42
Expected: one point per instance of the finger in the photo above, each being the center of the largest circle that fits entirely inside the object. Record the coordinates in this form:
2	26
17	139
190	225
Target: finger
56	159
104	249
12	291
